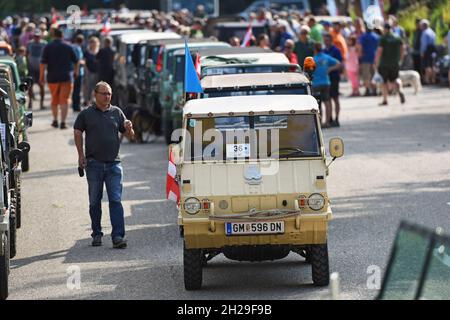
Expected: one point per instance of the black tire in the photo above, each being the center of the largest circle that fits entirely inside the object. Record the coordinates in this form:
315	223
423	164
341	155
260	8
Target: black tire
12	234
319	264
4	269
193	273
26	162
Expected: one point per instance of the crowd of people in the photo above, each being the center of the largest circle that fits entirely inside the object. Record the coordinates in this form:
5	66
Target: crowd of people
352	50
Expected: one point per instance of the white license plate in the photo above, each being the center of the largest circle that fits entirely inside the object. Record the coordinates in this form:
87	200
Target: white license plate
245	228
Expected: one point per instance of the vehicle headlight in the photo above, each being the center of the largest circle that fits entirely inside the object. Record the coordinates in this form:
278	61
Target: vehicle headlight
316	201
192	205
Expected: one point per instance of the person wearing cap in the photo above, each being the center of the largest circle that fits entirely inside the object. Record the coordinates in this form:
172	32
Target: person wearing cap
304	47
427	49
388	57
35	49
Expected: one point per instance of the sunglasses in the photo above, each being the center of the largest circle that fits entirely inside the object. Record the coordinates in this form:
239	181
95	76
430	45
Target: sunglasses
104	93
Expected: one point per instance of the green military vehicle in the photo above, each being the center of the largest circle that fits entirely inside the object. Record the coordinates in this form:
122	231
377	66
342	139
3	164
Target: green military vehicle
4	218
128	48
172	88
10	155
172	81
10	131
25	116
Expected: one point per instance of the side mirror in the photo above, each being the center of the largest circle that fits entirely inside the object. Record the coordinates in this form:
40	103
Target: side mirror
336	148
23	86
24	146
29	81
28	119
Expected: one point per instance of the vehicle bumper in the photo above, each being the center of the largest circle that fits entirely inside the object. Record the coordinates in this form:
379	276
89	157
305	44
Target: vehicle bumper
203	233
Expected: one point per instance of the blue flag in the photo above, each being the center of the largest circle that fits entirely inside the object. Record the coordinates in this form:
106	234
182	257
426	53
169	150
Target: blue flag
191	81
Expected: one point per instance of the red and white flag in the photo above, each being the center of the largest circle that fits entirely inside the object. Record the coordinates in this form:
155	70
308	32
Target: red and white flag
106	26
172	187
159	59
248	37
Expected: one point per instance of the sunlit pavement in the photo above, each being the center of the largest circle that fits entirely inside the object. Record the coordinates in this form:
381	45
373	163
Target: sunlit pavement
396	166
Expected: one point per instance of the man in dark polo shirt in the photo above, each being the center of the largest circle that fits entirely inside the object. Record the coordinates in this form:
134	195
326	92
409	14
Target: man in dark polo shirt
102	123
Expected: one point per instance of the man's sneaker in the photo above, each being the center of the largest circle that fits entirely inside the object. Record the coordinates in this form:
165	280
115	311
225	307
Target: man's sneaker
97	241
63	125
402	97
119	243
55	124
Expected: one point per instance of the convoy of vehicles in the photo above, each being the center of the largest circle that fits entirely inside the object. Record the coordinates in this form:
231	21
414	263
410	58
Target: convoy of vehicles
13	152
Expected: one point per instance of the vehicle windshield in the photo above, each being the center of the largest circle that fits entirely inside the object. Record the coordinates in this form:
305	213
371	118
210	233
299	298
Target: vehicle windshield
129	53
247	69
192	5
255	92
252	137
419	266
179	68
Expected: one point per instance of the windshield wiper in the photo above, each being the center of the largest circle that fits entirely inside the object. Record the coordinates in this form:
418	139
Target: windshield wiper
295	151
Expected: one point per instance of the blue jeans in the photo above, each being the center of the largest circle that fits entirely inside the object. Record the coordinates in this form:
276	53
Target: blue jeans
109	173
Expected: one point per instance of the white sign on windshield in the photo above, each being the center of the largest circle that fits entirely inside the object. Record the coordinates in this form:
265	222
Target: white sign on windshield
240	150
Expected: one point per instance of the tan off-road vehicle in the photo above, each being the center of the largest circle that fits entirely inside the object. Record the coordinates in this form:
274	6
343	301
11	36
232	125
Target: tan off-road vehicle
252	174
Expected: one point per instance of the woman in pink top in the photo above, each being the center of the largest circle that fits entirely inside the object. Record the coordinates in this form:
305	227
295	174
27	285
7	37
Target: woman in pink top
352	65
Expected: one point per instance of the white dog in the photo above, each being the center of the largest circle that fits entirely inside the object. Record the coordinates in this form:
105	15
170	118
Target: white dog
412	78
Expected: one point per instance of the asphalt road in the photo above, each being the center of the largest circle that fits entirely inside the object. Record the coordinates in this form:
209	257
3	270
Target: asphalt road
396	166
